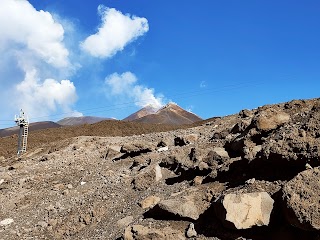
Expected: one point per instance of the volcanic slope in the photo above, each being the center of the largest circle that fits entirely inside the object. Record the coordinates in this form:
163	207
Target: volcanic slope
251	175
170	114
141	113
73	121
43	137
32	127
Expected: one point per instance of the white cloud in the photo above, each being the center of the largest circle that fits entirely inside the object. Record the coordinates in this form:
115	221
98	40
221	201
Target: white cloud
33	55
28	29
115	32
125	85
120	83
39	98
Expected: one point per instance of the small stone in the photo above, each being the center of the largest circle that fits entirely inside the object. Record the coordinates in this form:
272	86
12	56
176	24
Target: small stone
197	180
149	202
158	173
140	232
82	183
203	165
42	224
17	165
191	232
58	187
52	222
308	166
43	158
163	149
6	221
302	133
221	152
69	186
250	181
50	208
124	222
191	138
65	192
1	181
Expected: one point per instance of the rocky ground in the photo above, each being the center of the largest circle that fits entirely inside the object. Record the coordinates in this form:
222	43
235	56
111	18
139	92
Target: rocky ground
252	175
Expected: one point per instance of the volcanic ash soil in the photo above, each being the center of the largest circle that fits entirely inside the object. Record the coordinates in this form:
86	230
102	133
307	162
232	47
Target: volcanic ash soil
252	175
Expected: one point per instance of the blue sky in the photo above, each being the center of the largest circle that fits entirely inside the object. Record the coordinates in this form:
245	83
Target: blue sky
211	57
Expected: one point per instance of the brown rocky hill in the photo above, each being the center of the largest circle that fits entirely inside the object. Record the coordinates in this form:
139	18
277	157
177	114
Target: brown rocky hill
251	175
32	127
147	110
170	114
73	121
43	137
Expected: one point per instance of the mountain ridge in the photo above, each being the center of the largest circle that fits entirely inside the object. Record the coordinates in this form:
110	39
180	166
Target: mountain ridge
32	127
170	114
73	121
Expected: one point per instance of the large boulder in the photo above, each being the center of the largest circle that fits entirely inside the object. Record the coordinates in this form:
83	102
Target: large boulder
270	119
185	208
189	204
301	197
132	149
245	210
136	147
148	177
217	156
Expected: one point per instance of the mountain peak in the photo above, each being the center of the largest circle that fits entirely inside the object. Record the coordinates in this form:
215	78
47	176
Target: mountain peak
148	109
150	106
170	105
171	113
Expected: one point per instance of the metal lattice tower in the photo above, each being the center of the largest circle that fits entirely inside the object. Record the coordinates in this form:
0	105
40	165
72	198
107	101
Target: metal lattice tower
23	123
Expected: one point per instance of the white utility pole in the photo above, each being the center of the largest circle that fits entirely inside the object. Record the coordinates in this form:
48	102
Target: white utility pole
23	123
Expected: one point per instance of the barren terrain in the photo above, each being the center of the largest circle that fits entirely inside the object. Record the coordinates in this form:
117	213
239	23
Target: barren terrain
44	138
252	175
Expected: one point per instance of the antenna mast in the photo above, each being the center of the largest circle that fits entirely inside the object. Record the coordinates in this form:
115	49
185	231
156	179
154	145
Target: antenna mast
23	123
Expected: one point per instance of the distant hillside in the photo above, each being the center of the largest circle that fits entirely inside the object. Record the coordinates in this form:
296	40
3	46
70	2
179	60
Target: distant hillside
32	127
141	113
104	128
170	114
74	121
